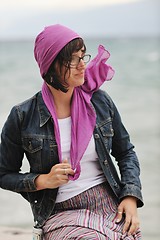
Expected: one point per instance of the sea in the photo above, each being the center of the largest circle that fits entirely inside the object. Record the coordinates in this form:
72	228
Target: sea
135	89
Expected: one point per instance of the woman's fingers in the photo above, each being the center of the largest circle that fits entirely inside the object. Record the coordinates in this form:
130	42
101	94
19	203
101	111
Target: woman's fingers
119	215
134	225
127	224
67	168
128	208
57	176
131	224
67	171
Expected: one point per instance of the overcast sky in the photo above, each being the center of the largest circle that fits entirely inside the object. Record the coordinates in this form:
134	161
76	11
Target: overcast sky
24	19
70	4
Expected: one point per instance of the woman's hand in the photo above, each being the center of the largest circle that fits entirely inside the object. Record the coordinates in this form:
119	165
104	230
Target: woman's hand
57	176
128	206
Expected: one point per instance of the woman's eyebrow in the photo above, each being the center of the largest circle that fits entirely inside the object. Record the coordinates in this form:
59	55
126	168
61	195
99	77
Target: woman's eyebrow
83	50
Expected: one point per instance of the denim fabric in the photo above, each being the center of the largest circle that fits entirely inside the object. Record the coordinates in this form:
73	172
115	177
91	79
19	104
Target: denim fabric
29	130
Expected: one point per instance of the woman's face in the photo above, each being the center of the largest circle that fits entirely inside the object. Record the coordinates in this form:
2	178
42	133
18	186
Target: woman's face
77	69
75	76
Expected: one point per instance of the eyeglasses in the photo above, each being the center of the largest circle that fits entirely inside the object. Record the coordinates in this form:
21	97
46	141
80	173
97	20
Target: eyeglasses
75	60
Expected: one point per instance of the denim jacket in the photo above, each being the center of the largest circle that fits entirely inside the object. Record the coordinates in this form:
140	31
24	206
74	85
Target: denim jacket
29	130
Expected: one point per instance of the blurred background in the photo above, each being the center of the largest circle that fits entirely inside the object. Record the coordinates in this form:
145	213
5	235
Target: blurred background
130	31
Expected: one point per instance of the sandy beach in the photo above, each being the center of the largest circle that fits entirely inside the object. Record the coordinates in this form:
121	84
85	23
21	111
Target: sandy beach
9	233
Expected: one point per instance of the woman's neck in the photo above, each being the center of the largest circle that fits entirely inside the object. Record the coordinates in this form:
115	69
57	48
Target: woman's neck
62	102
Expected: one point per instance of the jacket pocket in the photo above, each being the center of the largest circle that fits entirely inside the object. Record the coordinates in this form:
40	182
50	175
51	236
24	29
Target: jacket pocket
32	147
107	133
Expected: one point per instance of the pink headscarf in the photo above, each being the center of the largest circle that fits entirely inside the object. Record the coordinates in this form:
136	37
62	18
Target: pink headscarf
48	44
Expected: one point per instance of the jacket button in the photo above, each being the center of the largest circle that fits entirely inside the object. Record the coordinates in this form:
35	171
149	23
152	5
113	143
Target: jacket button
116	185
96	135
105	162
30	145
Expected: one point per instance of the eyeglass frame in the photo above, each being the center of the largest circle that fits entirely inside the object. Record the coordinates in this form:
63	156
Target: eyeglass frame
79	59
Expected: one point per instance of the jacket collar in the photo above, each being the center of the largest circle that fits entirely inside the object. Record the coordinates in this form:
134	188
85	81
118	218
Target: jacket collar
44	114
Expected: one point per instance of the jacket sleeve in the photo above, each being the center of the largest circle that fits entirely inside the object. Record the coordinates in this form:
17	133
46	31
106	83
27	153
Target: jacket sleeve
124	154
11	156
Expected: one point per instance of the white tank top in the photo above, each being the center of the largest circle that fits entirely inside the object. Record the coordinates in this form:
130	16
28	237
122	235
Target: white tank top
91	172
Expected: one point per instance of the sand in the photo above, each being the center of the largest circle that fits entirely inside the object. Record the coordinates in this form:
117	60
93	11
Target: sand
9	233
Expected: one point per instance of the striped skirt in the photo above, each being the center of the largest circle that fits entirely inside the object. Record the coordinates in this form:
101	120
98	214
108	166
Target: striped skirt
89	215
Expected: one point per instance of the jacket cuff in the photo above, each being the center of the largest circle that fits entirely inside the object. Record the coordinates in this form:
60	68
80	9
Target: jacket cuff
29	182
134	191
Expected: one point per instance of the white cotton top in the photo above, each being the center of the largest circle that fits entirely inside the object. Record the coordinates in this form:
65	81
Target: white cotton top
91	173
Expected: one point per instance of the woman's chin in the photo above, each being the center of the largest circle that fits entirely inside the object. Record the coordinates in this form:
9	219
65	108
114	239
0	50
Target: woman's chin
79	82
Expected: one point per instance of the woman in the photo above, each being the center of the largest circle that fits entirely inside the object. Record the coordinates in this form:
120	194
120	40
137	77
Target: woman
66	132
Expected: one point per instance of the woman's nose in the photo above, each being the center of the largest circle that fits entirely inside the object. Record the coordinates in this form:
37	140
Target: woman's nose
81	64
